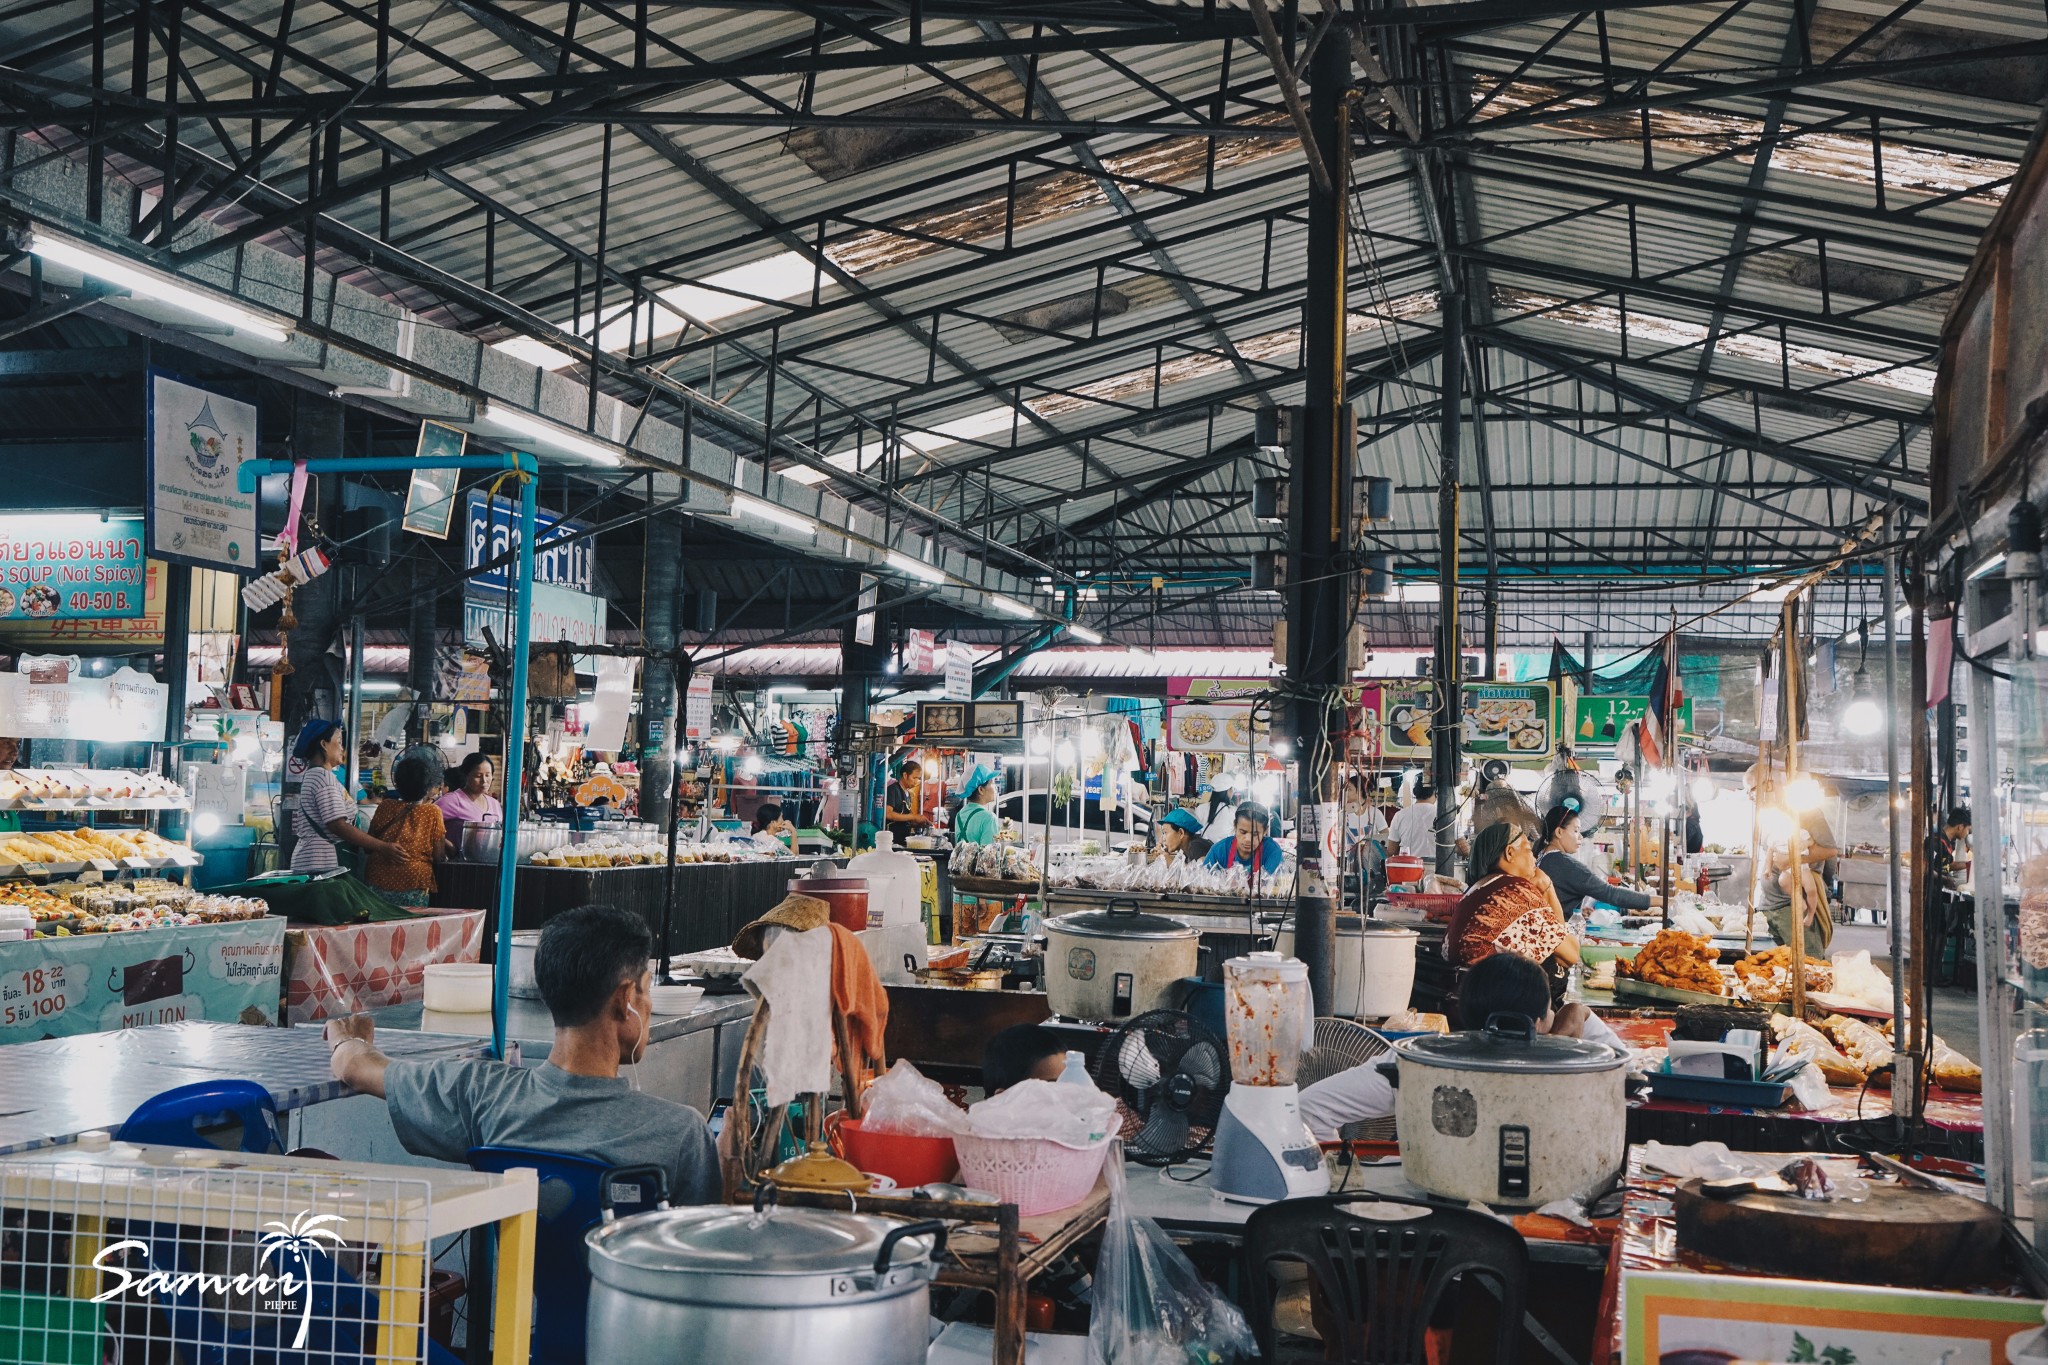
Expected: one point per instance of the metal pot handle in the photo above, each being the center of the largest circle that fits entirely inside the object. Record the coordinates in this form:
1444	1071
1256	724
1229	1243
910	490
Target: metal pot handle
885	1254
1128	908
1509	1025
1392	1071
764	1195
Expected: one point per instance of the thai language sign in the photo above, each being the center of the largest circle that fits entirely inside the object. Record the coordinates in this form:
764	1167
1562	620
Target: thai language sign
494	530
90	983
197	441
69	568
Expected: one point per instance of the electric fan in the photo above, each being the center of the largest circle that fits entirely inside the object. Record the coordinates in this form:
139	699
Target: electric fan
1339	1046
1170	1074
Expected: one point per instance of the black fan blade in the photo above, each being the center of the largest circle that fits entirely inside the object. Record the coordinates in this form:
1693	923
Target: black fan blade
1201	1064
1163	1138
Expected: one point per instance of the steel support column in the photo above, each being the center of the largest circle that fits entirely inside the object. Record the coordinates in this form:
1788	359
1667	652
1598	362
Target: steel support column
1445	727
659	587
1320	606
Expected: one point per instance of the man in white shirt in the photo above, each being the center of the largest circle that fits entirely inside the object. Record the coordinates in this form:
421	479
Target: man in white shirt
1501	984
1413	828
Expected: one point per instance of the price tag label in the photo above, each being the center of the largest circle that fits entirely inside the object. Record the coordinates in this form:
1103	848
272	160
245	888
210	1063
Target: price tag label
138	862
34	870
34	996
92	876
104	865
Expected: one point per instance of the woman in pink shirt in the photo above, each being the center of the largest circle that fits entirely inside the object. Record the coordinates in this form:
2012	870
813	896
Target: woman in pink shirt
468	799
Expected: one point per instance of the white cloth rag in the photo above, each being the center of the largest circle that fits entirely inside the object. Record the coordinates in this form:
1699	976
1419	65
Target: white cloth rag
794	979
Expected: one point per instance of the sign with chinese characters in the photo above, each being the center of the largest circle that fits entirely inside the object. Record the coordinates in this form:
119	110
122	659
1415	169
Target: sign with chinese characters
197	513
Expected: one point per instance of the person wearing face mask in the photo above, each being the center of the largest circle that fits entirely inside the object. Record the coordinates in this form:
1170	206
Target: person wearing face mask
591	967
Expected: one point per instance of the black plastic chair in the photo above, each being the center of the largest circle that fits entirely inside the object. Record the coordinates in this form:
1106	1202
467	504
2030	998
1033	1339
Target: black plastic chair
1383	1280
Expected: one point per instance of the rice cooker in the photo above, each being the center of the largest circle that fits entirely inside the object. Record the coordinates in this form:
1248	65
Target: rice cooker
1110	964
717	1284
1505	1115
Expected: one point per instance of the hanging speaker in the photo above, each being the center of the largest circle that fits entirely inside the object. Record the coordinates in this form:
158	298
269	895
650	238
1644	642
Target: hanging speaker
1267	575
1269	501
1379	577
1379	498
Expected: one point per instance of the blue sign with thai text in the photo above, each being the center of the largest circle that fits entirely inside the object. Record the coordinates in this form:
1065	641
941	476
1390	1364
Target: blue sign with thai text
494	529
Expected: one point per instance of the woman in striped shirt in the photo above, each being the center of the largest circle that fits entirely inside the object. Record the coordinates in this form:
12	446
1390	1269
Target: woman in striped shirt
325	815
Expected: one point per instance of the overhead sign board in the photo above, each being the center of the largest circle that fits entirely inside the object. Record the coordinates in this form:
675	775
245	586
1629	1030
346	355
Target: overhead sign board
493	530
71	568
197	513
558	614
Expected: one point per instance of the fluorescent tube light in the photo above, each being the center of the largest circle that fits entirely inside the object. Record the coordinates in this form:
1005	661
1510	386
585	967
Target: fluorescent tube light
742	505
1988	565
1009	606
916	568
142	282
1083	634
522	423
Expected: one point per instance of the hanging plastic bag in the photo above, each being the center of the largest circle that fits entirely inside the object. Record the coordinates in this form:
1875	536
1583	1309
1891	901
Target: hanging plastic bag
1151	1306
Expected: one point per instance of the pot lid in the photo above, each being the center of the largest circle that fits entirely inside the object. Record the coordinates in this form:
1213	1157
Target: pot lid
1505	1045
723	1240
1121	923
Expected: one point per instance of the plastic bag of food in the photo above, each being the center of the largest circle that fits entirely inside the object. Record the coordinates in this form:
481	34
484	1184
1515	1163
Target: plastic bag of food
905	1100
1074	1114
1861	982
1151	1306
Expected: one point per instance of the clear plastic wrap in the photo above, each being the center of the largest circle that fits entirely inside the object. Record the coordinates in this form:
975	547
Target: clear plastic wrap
1151	1306
1074	1114
905	1100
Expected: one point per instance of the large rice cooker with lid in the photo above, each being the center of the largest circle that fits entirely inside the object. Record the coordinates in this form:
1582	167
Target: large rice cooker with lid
717	1284
1110	964
1505	1115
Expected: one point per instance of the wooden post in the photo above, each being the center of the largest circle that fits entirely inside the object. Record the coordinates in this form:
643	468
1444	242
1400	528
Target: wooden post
1011	1289
1792	679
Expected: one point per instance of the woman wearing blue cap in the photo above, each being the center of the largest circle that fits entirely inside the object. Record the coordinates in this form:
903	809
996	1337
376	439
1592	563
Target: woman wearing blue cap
1180	837
977	823
324	818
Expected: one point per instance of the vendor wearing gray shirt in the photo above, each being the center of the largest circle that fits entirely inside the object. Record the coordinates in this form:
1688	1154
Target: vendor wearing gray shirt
1573	879
591	967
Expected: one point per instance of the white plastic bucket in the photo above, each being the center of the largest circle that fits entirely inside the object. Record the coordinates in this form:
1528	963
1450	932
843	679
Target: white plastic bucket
1374	971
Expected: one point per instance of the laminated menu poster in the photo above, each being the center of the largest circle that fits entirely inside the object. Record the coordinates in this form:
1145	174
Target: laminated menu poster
1506	720
93	983
1682	1318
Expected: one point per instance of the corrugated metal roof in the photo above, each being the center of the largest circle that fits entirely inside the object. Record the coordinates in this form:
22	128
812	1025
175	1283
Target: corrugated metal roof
1727	430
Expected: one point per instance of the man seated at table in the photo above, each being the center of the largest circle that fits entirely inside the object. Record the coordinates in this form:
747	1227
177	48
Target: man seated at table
591	967
1501	984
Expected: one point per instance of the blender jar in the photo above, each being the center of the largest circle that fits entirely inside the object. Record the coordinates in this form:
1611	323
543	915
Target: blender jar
1268	1016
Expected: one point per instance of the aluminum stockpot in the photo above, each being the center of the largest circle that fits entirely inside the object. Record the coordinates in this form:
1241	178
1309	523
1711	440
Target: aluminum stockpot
1504	1115
716	1284
1110	964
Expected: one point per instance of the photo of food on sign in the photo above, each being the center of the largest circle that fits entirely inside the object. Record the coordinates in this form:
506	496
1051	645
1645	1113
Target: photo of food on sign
1220	727
1508	718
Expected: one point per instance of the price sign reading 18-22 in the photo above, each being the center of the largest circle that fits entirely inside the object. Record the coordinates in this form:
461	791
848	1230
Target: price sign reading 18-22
33	996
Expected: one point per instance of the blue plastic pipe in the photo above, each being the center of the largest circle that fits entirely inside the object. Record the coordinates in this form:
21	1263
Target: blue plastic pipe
515	744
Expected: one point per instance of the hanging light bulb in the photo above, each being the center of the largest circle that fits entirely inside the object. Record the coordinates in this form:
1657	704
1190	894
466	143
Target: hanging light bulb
1803	794
752	765
1702	790
1064	754
1774	824
1864	716
1040	744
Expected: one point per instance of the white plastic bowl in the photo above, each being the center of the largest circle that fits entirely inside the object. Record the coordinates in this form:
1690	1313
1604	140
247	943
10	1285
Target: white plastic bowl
675	999
458	988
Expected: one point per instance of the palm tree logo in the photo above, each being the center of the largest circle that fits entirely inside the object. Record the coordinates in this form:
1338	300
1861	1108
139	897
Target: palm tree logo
298	1239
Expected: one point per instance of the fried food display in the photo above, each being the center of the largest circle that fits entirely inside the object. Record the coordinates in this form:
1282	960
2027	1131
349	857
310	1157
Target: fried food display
1679	961
1767	976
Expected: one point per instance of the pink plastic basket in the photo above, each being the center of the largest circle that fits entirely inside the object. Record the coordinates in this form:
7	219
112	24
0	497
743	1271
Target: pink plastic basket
1038	1175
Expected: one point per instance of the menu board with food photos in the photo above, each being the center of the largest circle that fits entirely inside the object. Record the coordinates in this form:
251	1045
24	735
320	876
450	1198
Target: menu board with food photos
1215	727
1505	720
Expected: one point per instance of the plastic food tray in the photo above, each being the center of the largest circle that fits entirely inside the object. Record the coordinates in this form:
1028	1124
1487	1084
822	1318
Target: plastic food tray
1717	1090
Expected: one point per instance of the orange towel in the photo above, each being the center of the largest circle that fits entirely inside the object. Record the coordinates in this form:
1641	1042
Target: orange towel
859	998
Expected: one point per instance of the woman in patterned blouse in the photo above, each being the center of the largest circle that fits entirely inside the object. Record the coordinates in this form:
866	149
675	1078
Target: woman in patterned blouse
413	826
1510	907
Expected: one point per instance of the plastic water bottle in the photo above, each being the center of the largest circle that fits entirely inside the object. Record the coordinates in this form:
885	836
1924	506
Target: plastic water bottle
1075	1072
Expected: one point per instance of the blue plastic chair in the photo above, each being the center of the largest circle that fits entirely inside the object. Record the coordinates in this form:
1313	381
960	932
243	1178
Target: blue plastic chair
576	1194
172	1119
